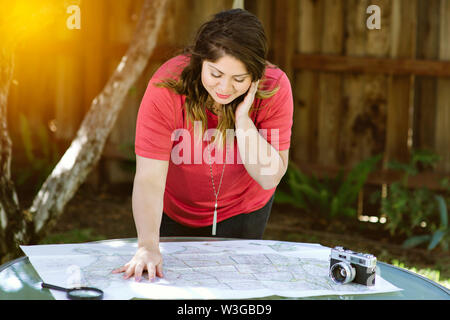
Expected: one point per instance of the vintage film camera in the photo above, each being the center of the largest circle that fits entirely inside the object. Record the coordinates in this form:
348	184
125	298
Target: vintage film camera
349	266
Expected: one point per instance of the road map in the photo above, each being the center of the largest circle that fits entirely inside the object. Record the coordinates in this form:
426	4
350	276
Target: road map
236	269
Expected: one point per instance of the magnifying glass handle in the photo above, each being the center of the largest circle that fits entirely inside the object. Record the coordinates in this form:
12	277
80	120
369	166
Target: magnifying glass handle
51	286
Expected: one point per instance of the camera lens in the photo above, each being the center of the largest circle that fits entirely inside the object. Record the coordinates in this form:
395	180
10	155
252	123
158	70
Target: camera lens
342	273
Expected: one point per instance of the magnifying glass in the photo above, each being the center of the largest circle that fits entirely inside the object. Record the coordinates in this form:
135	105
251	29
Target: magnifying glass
78	293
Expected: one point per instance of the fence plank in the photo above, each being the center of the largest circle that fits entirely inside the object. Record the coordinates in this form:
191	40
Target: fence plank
330	85
355	138
370	65
284	37
305	87
372	121
404	14
431	180
425	87
443	94
264	11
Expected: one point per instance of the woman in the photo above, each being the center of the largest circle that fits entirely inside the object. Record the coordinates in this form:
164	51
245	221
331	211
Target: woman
212	140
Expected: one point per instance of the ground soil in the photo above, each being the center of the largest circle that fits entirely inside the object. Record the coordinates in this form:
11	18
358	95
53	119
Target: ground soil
106	212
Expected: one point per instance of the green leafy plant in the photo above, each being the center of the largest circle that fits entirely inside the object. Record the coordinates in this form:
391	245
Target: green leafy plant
441	235
329	197
407	210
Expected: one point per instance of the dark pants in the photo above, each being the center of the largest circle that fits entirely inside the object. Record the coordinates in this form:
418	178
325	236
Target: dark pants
243	226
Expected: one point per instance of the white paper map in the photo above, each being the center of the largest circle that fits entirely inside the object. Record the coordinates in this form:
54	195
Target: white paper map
198	270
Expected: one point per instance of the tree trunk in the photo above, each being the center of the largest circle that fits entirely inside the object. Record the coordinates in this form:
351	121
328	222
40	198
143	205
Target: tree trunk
11	218
84	151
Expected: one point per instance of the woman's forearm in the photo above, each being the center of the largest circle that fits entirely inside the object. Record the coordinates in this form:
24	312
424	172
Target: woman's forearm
261	160
147	206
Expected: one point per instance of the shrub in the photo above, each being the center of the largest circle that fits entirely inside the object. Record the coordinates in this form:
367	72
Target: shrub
329	197
409	210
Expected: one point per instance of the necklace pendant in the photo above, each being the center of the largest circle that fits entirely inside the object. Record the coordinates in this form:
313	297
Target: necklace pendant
214	220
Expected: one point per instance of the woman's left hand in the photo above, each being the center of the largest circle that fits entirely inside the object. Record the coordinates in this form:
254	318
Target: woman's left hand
244	107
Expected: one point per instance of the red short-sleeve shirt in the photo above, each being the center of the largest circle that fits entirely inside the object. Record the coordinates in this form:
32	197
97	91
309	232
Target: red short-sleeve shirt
162	133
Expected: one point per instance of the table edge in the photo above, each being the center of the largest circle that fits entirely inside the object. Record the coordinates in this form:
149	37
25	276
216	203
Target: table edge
8	264
434	283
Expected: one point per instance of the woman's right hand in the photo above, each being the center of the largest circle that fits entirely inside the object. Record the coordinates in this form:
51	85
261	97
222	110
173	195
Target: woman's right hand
144	259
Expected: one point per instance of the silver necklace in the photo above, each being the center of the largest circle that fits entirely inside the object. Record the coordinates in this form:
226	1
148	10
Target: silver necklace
216	194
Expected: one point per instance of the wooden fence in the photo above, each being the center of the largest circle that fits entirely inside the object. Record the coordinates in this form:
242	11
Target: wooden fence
357	92
360	92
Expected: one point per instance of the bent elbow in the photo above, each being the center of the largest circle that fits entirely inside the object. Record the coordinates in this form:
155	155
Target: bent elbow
269	183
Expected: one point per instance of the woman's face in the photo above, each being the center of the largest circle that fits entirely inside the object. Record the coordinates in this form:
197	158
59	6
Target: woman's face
225	79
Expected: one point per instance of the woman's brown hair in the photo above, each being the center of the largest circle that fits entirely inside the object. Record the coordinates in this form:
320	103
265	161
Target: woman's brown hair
235	32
